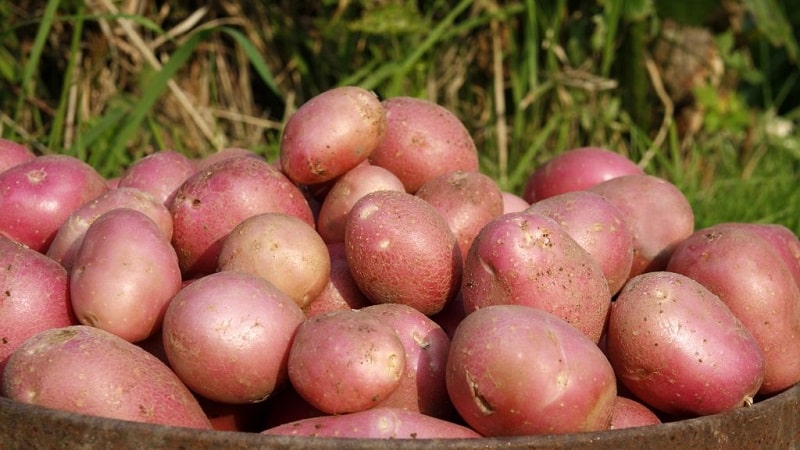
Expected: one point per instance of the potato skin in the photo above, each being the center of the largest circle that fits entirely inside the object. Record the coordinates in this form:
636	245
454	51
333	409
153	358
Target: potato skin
341	291
400	250
13	154
677	347
160	174
87	370
630	413
518	370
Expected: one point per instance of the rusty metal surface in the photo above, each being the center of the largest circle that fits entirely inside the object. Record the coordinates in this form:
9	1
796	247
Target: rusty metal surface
772	423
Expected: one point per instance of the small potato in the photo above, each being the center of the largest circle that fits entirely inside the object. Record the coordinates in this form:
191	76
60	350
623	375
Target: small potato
341	291
330	134
516	370
375	423
629	413
13	154
90	371
678	348
160	174
283	250
227	336
513	203
346	361
124	276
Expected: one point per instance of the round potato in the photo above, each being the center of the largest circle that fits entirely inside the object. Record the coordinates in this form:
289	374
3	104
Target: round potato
341	291
629	413
13	154
160	174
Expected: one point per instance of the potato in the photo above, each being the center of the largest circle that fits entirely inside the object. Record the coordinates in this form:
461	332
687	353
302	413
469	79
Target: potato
513	203
678	348
227	336
341	291
68	239
13	154
223	154
400	250
283	250
35	296
517	370
658	214
466	200
598	226
738	265
213	201
40	194
527	259
575	170
124	276
629	413
345	361
247	417
422	388
423	140
87	370
330	134
784	241
376	423
159	174
347	190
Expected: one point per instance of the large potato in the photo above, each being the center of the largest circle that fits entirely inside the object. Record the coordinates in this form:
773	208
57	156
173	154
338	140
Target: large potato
517	370
784	241
90	371
527	259
282	249
124	276
400	250
159	174
39	195
423	140
227	336
734	262
330	134
680	349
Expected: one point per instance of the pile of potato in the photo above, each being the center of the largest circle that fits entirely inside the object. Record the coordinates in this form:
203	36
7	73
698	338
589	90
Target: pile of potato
373	283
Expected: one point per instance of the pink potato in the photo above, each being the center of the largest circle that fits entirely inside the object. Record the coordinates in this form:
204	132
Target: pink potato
784	241
331	133
226	153
466	200
423	140
629	413
213	201
346	361
679	349
68	239
375	423
423	387
39	195
13	154
734	262
160	174
35	296
598	226
513	203
658	214
341	291
400	250
516	370
576	170
347	190
125	274
282	249
528	259
227	336
89	371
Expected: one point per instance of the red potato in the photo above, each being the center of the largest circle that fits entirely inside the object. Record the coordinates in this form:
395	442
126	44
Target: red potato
227	336
423	140
466	200
60	369
513	203
678	348
347	190
345	361
376	423
247	417
784	241
629	413
125	274
528	259
13	154
341	291
330	134
226	153
285	406
283	250
36	197
400	250
575	170
517	370
658	214
734	262
422	388
68	239
35	296
160	174
598	226
213	201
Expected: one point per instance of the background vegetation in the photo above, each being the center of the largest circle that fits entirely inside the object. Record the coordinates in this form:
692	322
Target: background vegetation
704	93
